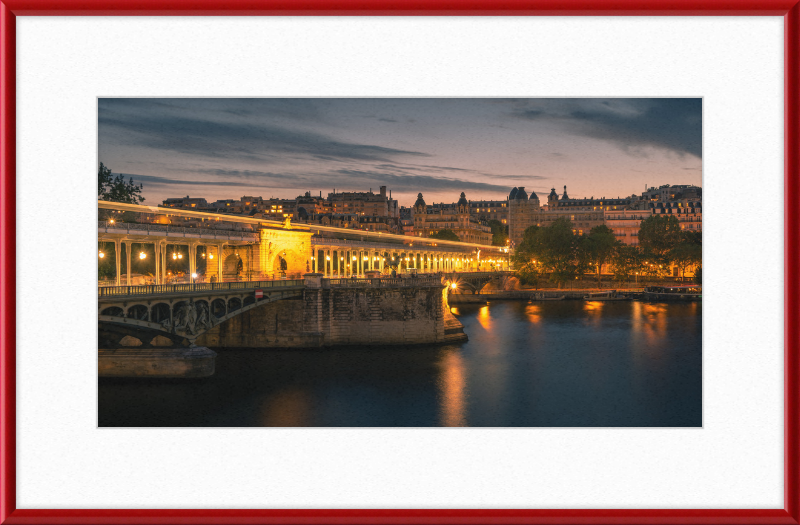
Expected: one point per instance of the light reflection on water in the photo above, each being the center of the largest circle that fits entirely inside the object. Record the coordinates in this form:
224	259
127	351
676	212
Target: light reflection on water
453	386
555	363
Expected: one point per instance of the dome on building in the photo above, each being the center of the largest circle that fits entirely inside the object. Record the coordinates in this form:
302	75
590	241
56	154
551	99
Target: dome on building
533	196
462	201
521	195
513	194
420	200
553	194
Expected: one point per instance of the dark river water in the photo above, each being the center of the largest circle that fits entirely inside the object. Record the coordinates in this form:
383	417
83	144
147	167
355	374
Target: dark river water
552	364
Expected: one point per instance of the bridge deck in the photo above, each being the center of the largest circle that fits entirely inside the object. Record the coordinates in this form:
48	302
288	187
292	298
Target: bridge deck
110	292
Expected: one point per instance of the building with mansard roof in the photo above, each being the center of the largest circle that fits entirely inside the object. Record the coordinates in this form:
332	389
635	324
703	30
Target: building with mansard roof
622	214
430	218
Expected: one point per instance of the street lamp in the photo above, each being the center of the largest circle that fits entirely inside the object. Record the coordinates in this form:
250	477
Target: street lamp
142	255
101	254
194	276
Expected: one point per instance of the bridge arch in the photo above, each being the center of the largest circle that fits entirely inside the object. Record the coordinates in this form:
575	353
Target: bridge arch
114	311
138	311
285	261
232	267
219	308
160	312
234	303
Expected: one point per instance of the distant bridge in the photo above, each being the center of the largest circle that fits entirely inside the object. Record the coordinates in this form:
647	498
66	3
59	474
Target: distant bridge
230	248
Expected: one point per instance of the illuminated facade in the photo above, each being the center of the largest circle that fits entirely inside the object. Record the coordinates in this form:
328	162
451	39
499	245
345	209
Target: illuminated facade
429	219
623	215
365	203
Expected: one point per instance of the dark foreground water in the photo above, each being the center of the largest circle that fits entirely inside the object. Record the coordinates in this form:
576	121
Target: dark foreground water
561	363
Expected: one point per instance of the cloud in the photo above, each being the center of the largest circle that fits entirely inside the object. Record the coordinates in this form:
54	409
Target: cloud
166	181
673	124
240	140
341	179
407	182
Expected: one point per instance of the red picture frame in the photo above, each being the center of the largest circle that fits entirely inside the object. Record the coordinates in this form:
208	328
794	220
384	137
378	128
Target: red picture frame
789	9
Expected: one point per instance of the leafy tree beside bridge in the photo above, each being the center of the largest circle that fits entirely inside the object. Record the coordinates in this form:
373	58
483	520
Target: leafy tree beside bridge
115	189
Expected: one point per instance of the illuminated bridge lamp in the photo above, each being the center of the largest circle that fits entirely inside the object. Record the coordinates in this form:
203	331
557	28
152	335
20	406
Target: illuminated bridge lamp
210	256
180	256
454	286
142	255
174	256
101	254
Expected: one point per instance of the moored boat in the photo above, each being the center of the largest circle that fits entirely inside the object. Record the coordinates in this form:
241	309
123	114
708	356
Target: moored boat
687	292
611	295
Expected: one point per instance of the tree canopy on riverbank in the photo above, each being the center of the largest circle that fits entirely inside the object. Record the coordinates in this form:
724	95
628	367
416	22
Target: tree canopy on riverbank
559	253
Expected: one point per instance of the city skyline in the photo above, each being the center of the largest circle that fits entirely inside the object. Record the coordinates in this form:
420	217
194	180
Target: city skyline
226	148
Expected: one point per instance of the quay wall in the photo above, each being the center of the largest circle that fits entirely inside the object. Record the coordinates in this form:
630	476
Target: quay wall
337	316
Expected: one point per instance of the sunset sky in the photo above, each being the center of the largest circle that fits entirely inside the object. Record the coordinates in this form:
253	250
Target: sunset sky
227	148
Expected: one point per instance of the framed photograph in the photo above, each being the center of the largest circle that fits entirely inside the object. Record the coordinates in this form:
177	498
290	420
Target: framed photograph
390	263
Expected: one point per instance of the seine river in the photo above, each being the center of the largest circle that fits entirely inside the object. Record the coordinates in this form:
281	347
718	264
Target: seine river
551	364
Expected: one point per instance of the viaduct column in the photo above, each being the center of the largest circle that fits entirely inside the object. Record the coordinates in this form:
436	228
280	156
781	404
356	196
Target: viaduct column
118	260
157	262
219	262
128	261
192	259
163	265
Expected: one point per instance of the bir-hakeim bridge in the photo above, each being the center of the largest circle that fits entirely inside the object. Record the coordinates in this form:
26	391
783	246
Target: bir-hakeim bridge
253	283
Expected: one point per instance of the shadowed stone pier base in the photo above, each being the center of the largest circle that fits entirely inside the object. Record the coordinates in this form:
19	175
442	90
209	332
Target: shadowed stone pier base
174	362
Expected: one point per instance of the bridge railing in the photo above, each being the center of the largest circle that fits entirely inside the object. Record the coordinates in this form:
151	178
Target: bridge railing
382	282
138	228
154	289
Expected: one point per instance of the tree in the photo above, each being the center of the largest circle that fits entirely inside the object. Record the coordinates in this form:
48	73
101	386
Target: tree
599	246
626	262
499	233
526	251
688	252
557	249
698	275
115	189
529	273
445	235
658	234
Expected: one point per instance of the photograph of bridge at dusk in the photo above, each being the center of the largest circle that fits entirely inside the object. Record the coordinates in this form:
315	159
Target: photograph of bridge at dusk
422	262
